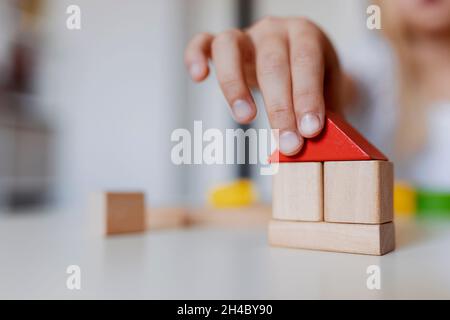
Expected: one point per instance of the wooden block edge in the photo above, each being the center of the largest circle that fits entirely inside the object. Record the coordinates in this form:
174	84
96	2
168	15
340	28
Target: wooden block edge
383	217
386	246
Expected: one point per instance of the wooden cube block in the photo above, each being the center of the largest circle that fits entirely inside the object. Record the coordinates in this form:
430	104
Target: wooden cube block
122	212
358	191
375	239
298	192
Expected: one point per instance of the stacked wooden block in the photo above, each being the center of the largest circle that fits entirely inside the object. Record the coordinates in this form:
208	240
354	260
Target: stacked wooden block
336	195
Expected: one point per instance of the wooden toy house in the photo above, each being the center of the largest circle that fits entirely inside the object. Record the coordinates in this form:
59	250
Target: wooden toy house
335	195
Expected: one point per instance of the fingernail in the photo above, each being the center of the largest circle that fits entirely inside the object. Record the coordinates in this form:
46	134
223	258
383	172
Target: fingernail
289	142
241	110
309	124
196	70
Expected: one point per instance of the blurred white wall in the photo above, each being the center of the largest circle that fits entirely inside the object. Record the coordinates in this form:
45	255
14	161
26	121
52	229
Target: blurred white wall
344	20
205	101
115	89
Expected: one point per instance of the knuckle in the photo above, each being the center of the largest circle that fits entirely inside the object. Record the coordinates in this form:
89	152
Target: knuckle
305	54
231	85
278	113
272	62
307	96
199	40
304	92
268	21
202	36
268	26
195	45
304	28
226	37
303	23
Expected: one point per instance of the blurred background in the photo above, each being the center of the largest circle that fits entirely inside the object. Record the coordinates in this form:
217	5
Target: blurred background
93	109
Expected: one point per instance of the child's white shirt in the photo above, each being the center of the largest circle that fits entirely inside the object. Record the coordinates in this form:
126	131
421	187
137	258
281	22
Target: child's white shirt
373	67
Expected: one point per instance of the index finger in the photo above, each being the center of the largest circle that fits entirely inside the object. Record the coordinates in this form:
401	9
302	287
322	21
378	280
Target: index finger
197	54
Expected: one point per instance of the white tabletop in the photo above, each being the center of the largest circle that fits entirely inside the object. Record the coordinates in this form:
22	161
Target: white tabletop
209	263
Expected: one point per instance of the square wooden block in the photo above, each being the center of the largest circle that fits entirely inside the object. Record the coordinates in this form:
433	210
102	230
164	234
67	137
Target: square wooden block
298	192
370	239
124	212
358	191
117	213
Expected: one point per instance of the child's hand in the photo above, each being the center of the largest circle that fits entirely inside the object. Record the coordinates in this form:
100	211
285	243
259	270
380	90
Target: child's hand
291	61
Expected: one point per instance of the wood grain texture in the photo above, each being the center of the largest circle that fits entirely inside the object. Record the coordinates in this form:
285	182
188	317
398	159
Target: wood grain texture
337	237
358	191
298	192
124	212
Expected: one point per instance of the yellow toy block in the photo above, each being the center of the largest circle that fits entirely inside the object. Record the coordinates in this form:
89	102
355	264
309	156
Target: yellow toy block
405	199
236	194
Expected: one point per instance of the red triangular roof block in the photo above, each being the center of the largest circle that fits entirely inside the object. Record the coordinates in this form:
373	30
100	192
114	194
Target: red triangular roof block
338	141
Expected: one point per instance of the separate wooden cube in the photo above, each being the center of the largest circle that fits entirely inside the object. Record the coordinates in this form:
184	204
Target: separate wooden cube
358	191
375	239
298	192
122	212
